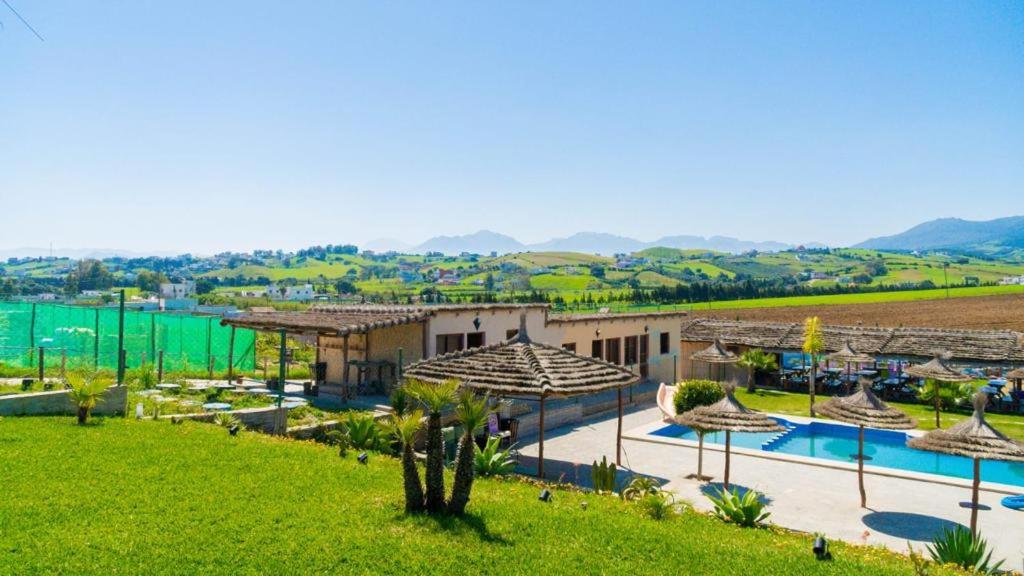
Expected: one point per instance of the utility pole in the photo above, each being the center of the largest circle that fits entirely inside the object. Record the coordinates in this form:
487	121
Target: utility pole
945	276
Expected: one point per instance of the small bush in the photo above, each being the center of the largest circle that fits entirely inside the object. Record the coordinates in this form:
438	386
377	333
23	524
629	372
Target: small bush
639	487
693	393
747	510
363	431
603	475
960	547
492	460
226	420
659	505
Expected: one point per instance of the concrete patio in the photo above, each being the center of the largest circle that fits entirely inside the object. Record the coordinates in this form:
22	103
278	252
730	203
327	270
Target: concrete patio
801	497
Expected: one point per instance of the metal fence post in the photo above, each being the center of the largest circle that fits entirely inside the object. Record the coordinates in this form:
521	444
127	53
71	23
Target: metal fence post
120	341
160	366
42	369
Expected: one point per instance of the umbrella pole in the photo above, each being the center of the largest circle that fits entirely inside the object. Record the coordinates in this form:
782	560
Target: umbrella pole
540	449
974	497
618	434
938	424
700	457
727	442
860	468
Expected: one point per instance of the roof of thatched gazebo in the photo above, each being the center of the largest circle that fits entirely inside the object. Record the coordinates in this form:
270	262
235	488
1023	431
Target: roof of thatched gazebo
1017	374
973	438
521	367
863	408
728	414
715	354
936	369
848	355
327	322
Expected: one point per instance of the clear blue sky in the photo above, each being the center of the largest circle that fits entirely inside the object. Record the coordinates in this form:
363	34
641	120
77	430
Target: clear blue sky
208	126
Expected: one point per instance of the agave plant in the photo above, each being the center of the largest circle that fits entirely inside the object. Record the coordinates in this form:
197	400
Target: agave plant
472	411
362	430
640	486
658	505
434	398
404	427
960	547
746	510
491	460
85	392
226	420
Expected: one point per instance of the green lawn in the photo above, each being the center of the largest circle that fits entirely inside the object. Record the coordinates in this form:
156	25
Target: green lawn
797	404
127	497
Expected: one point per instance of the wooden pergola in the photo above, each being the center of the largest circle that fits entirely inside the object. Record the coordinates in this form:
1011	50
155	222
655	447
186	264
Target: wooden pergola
336	322
522	368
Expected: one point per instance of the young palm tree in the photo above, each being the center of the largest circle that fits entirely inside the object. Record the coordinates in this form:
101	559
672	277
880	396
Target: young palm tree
814	345
434	398
404	427
755	360
85	392
472	411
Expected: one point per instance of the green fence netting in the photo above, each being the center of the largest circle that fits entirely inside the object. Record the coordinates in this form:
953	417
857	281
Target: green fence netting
87	337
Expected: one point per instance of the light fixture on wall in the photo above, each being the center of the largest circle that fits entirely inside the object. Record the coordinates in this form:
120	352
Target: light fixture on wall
646	328
597	332
476	322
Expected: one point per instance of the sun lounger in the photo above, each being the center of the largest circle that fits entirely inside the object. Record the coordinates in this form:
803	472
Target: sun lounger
666	395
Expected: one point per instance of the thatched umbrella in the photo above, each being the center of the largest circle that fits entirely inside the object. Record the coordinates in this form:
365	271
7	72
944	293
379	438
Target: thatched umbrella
717	355
730	415
937	370
521	367
863	408
1017	376
848	356
975	439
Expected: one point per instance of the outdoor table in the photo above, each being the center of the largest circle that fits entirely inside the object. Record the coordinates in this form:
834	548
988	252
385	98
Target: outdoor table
216	406
255	391
834	370
866	372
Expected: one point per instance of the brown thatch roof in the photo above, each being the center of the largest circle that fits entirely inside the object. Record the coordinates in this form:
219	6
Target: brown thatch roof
715	354
728	414
973	438
863	408
571	318
339	323
936	369
1017	374
847	355
521	367
963	345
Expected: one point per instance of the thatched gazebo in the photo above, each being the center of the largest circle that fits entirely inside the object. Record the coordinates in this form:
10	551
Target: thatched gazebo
730	415
938	371
848	356
973	438
521	368
863	408
715	354
1017	377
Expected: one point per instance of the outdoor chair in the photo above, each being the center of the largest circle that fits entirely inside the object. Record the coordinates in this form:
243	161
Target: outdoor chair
494	429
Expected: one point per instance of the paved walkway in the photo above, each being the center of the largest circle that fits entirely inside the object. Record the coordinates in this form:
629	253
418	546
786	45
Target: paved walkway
801	497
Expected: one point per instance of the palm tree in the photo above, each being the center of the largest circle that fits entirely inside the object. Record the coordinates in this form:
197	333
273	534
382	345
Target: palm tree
434	398
404	427
85	392
755	360
472	411
814	345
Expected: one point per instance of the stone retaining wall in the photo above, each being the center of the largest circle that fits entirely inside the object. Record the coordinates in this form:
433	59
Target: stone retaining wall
57	402
270	420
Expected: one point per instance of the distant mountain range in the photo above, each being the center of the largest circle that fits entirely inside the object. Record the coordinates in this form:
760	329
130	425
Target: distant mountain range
486	241
996	237
80	253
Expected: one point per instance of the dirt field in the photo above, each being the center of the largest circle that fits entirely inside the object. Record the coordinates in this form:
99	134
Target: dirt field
988	312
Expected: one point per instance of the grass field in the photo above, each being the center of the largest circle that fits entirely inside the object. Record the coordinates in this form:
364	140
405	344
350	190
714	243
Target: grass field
127	497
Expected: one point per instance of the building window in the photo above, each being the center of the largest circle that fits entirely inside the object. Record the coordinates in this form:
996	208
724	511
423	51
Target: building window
664	342
597	349
632	343
570	346
474	340
510	334
613	350
449	343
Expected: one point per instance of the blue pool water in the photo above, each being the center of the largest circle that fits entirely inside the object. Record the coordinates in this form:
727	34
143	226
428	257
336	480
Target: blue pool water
838	442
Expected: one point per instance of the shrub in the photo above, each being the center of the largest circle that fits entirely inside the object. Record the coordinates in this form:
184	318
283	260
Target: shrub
603	475
143	377
226	420
338	438
658	506
693	393
85	392
960	547
492	460
951	396
747	510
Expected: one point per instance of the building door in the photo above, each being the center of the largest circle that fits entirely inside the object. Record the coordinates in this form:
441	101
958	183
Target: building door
474	339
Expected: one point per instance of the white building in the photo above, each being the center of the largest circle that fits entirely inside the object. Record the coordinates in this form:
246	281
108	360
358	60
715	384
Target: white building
177	291
303	293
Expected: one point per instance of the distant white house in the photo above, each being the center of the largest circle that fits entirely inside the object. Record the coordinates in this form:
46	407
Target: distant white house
177	290
303	293
1012	281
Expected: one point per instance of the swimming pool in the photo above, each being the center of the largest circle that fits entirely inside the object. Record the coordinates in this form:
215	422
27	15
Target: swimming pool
837	442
